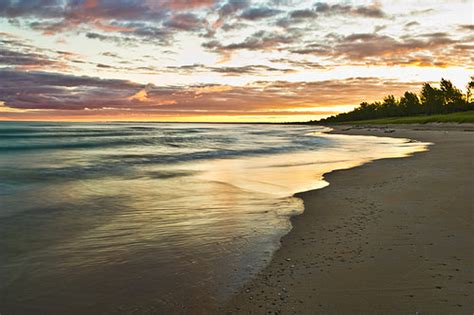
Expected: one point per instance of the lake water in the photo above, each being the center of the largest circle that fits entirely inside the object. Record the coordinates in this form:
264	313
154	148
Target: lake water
153	218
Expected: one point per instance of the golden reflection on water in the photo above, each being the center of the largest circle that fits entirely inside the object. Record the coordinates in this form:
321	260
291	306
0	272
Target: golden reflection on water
282	175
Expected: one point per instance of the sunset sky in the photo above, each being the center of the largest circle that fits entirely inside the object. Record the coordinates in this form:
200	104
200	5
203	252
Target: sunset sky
229	60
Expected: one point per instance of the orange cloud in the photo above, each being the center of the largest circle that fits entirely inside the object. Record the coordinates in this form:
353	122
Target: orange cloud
212	89
188	4
111	28
166	102
144	97
141	96
90	4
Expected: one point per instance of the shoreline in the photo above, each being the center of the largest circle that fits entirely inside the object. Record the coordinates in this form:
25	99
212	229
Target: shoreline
380	237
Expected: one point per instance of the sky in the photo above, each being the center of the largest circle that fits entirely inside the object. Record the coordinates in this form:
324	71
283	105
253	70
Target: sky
223	60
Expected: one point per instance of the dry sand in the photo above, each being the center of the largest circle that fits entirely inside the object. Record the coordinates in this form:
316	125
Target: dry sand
394	236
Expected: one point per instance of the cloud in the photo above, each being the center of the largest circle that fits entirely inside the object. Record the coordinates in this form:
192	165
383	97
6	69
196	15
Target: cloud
15	52
256	70
151	21
83	11
45	9
185	22
59	93
101	65
372	11
360	46
250	69
421	12
5	109
15	58
230	9
119	40
214	88
411	24
188	4
140	96
260	40
43	90
466	27
110	54
303	14
305	64
427	49
254	14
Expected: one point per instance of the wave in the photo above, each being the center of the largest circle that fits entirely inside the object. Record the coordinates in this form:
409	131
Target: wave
204	142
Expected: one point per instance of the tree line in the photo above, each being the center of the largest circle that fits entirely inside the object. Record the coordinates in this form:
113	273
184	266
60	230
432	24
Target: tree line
431	100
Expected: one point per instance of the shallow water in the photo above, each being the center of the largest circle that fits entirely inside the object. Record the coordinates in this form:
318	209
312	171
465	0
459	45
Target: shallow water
145	218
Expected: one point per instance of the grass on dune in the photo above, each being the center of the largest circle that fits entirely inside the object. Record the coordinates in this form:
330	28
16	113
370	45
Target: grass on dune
459	117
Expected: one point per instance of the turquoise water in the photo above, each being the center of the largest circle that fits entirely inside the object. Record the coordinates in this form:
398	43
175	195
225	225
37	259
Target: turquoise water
147	218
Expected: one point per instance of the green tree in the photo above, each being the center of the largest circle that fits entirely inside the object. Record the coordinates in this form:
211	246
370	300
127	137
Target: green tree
390	106
469	88
432	99
410	104
453	97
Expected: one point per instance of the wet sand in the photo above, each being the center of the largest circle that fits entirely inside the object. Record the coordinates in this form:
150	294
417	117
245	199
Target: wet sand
394	236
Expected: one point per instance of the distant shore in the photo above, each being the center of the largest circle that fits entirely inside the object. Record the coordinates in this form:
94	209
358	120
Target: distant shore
391	236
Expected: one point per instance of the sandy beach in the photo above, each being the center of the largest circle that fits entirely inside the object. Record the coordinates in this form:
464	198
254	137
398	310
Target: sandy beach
394	236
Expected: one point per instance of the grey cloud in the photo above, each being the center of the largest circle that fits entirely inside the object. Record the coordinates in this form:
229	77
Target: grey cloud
43	90
259	40
300	63
259	13
411	24
372	12
229	71
466	27
231	7
313	49
342	9
435	35
302	14
127	40
15	58
41	8
110	38
250	69
110	54
101	65
371	48
185	22
19	53
378	28
130	19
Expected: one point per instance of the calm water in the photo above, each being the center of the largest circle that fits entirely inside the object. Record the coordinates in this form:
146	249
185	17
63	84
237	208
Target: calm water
146	218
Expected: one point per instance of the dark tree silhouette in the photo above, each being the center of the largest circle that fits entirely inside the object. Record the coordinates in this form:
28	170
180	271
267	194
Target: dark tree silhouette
432	99
454	100
469	87
445	99
410	104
